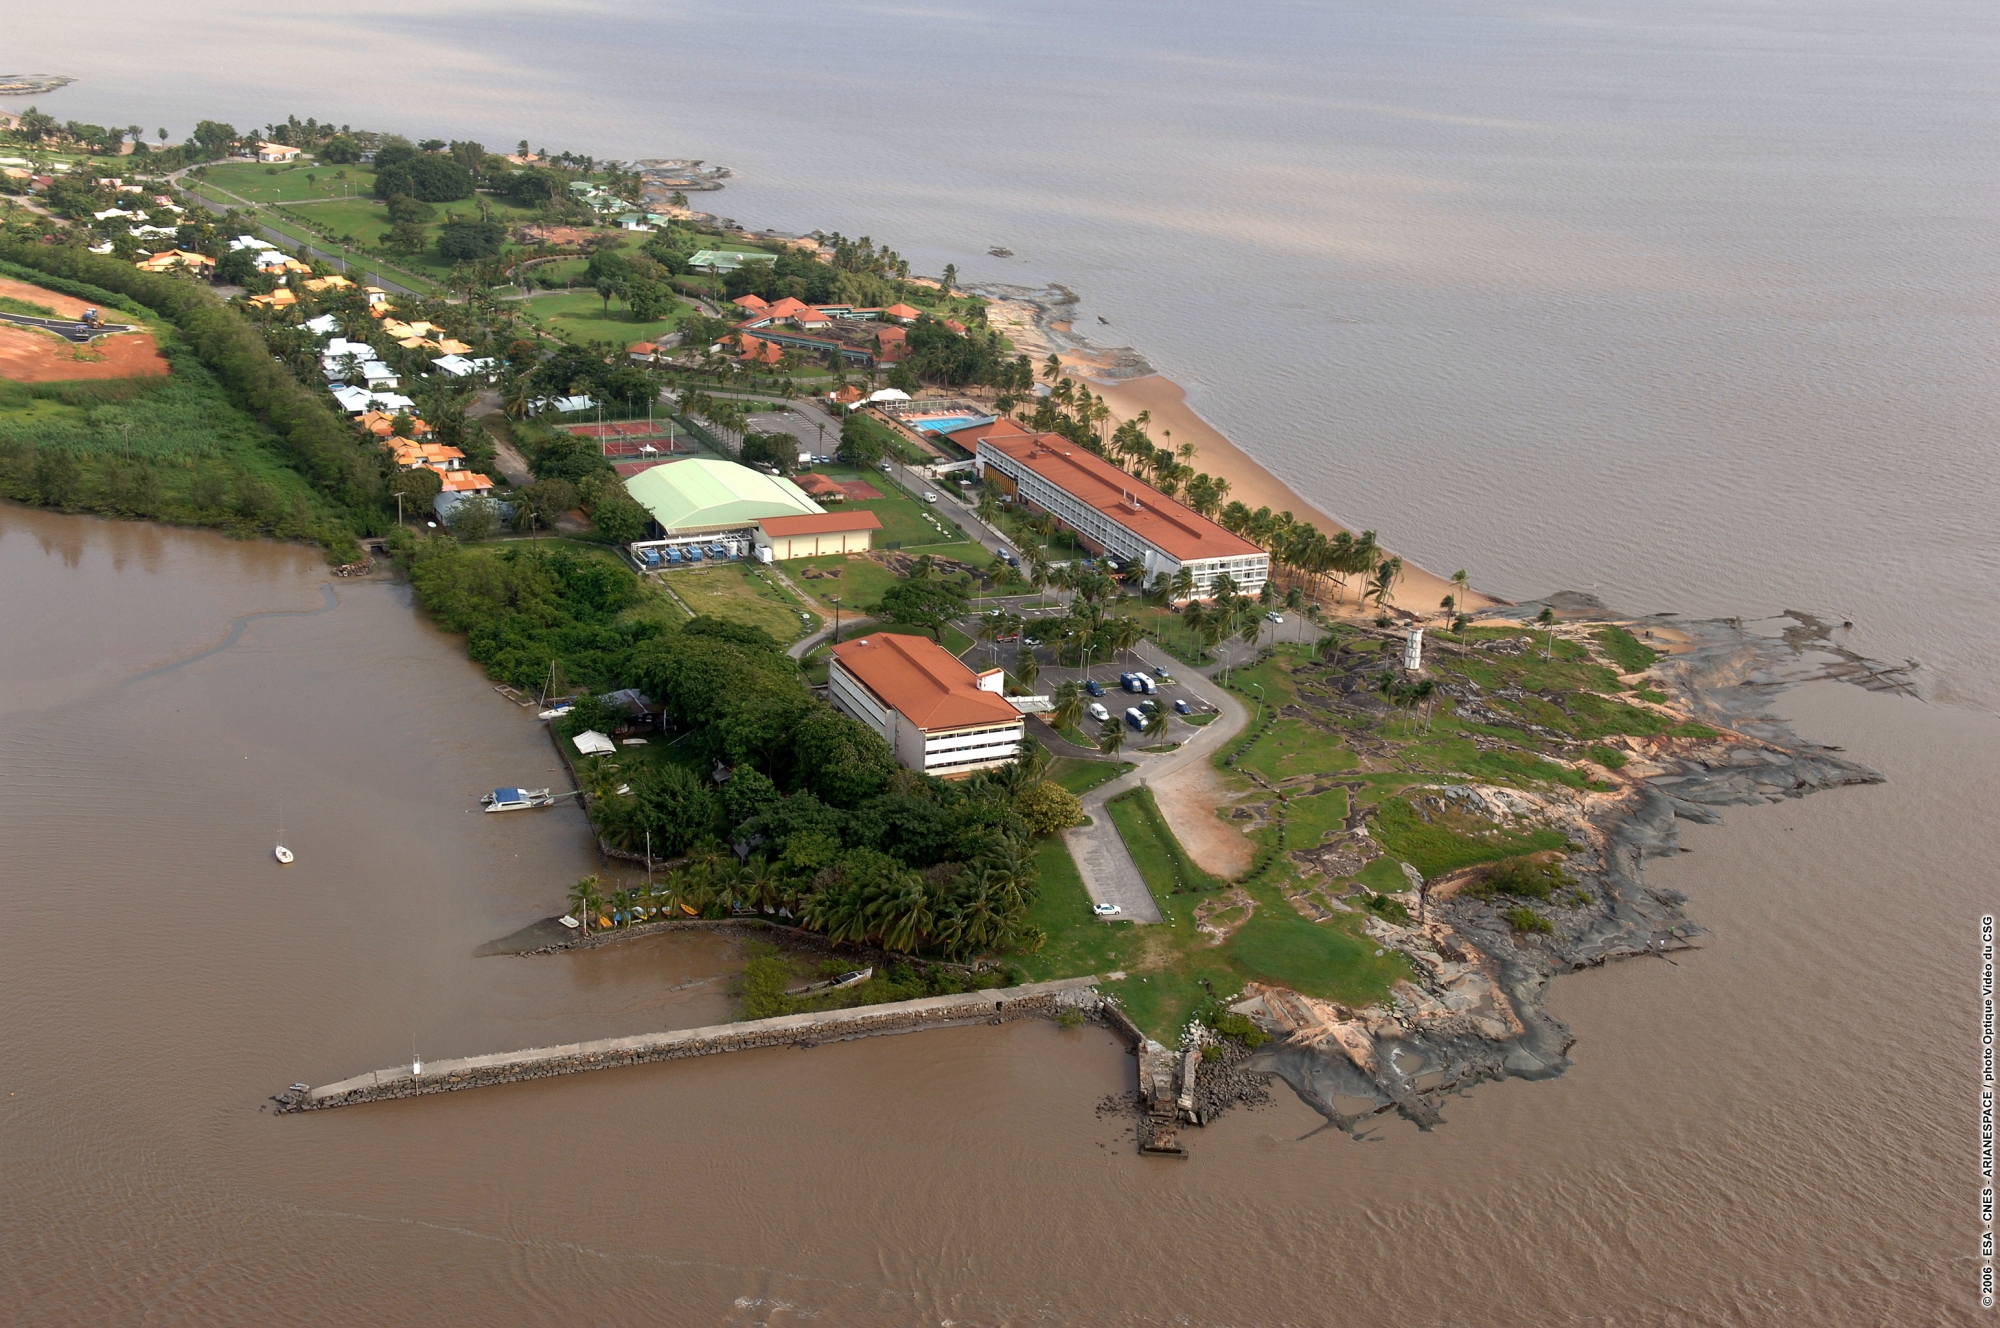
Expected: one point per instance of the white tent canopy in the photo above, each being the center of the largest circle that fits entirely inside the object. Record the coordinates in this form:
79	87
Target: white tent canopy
592	743
889	394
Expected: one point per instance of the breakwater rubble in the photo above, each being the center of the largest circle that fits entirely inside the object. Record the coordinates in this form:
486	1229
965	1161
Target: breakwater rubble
1474	1009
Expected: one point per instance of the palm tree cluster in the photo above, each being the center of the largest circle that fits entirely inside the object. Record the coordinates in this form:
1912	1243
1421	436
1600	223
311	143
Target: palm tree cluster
860	895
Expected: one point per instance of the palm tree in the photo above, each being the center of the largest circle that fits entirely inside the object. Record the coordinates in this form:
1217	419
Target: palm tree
1195	617
1547	618
1295	600
1384	585
1026	667
1111	736
1330	644
584	901
1052	368
1183	583
1156	724
1068	710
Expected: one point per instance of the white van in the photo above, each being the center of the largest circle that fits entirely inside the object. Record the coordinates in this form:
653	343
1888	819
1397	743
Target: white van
1097	712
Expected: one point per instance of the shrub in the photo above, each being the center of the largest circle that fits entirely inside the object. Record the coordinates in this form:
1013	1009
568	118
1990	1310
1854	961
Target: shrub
1632	656
1524	919
1608	757
1522	878
1242	1029
1048	808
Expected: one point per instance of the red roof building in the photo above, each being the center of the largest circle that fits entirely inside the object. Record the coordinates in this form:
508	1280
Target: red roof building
1110	511
788	537
939	716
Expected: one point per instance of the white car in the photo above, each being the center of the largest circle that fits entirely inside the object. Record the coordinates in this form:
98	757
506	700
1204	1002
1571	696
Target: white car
1274	617
1105	910
930	498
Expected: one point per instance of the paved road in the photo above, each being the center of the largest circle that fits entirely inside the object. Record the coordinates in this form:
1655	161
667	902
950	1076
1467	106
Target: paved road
1109	874
286	242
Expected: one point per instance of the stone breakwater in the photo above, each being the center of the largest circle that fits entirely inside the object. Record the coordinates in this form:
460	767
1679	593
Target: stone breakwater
1043	1000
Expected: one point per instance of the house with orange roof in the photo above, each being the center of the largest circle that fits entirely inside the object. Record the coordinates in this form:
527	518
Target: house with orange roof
786	308
466	481
276	152
382	424
750	304
891	344
808	536
281	298
756	350
954	325
820	488
846	396
333	281
643	352
939	716
1110	511
902	313
168	259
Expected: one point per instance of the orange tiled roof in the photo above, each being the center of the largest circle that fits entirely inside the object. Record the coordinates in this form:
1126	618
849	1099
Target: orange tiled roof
465	481
901	311
820	523
749	302
1096	483
923	680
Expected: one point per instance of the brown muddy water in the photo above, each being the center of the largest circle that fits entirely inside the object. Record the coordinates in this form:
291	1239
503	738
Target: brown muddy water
1778	1128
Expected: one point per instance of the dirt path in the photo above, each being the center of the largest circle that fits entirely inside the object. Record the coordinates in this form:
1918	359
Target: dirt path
28	356
1188	798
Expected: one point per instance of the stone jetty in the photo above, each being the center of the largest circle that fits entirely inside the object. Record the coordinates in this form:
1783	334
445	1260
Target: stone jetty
1044	1000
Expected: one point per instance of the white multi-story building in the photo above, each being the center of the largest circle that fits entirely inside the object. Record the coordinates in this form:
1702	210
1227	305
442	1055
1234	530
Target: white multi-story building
939	716
1113	512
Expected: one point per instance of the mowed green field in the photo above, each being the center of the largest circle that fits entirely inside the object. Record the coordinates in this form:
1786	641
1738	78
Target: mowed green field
582	317
741	593
291	183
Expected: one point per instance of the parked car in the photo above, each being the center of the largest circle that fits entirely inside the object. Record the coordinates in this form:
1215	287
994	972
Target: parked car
1150	706
1161	672
1031	640
1182	707
1132	682
931	498
1093	686
1106	910
1274	617
1098	712
1135	717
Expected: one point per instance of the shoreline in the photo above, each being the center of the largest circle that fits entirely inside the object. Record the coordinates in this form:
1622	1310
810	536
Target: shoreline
1034	320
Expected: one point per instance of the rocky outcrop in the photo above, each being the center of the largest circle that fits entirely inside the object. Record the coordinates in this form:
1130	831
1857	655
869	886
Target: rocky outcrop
1473	1009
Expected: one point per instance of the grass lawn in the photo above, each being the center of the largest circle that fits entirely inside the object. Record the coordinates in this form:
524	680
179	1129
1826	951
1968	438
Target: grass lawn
1080	777
1292	747
1308	820
1160	858
255	181
581	317
740	593
860	583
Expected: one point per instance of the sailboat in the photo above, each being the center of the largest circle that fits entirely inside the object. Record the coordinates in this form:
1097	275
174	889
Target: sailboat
283	854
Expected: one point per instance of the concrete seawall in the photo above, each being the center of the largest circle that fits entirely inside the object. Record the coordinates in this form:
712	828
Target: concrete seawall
1033	1000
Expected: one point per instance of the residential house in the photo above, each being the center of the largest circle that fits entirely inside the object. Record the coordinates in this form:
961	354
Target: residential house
168	259
276	152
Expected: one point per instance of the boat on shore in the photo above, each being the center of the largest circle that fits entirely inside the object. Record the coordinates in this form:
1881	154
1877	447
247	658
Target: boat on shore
516	799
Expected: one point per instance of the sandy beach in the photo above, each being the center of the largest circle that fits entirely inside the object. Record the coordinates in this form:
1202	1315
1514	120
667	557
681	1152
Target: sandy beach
1419	591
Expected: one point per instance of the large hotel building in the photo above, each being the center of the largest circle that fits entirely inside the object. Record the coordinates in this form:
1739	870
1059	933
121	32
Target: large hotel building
1110	511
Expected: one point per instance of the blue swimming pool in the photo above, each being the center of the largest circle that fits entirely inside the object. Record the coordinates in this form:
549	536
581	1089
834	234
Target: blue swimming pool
951	423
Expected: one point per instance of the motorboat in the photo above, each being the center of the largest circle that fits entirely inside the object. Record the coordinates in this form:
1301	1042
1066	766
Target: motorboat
516	799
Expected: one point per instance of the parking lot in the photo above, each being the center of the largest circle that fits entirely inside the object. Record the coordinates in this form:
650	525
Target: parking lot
1115	700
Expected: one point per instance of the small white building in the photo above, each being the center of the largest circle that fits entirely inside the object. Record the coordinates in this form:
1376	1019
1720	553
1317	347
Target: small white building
938	716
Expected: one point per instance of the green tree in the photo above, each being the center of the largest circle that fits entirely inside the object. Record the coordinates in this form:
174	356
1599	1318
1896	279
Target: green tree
56	475
1156	724
1111	736
860	445
1048	808
674	805
930	604
474	519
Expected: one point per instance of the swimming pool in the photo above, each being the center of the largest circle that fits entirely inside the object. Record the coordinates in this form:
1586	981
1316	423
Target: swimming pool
950	423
